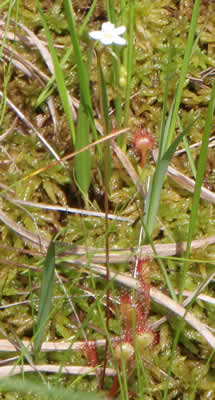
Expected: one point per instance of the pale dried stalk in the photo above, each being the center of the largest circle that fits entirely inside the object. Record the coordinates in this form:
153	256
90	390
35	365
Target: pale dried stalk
189	184
98	255
7	346
68	210
9	370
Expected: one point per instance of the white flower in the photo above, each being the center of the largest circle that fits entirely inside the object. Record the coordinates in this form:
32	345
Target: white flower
109	34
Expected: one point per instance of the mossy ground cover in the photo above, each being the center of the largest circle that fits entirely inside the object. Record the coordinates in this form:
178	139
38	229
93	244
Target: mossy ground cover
39	198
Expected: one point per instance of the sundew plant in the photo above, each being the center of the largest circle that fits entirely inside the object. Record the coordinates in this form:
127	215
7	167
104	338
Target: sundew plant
107	221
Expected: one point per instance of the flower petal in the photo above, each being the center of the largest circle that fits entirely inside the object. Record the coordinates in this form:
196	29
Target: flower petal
120	30
118	40
108	27
96	35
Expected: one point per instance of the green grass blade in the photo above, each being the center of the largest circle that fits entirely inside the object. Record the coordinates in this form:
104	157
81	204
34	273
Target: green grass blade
199	181
45	295
49	87
82	70
130	55
113	18
58	73
162	144
104	100
82	73
168	131
7	71
187	55
4	4
42	391
110	9
6	29
88	16
82	160
153	195
161	265
188	151
105	115
86	108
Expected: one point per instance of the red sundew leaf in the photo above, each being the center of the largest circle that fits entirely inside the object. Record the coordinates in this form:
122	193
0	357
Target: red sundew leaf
125	297
143	275
143	142
125	308
91	353
156	338
143	270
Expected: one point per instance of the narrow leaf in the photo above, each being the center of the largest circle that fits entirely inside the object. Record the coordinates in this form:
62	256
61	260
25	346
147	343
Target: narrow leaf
199	181
45	295
82	160
61	85
153	195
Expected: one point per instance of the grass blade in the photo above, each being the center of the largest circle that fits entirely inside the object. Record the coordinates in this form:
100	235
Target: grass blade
103	99
82	160
58	73
130	55
44	391
199	182
88	16
82	73
45	295
50	86
86	109
153	195
187	55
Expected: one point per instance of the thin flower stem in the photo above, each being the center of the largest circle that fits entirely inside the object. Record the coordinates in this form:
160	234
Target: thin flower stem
106	181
